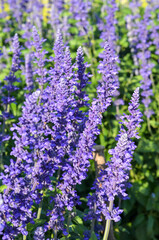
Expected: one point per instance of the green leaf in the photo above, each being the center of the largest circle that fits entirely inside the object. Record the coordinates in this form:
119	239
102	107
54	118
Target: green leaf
141	233
93	236
147	146
139	219
2	188
38	222
150	225
78	230
78	220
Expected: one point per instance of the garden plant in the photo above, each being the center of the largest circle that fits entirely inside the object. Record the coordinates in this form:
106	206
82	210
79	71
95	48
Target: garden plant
79	120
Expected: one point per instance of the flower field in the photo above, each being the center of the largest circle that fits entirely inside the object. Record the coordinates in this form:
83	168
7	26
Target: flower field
79	120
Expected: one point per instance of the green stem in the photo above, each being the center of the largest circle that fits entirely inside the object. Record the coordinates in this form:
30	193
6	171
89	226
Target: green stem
68	224
93	221
107	227
40	209
52	235
55	234
24	237
148	124
92	225
57	179
117	110
153	84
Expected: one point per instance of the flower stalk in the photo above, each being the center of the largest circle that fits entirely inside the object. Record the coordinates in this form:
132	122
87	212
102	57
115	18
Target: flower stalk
108	222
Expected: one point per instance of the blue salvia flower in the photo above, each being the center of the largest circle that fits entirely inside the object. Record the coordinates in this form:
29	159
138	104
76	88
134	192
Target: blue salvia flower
108	28
155	37
79	10
154	4
1	52
113	181
139	38
15	8
40	59
29	73
82	79
16	53
2	223
39	234
108	33
131	24
155	28
109	70
27	28
9	86
29	148
18	197
144	56
32	8
5	56
59	53
57	21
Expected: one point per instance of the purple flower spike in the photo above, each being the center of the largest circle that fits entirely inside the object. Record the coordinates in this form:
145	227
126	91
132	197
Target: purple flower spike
109	70
29	73
108	29
16	53
132	121
9	86
79	10
140	42
113	180
40	58
57	21
59	52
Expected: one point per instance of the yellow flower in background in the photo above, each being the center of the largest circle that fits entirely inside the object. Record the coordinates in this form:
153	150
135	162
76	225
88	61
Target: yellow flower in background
144	3
122	1
45	9
6	7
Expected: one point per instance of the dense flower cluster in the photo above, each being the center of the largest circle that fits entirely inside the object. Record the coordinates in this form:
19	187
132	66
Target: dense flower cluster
55	111
18	197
